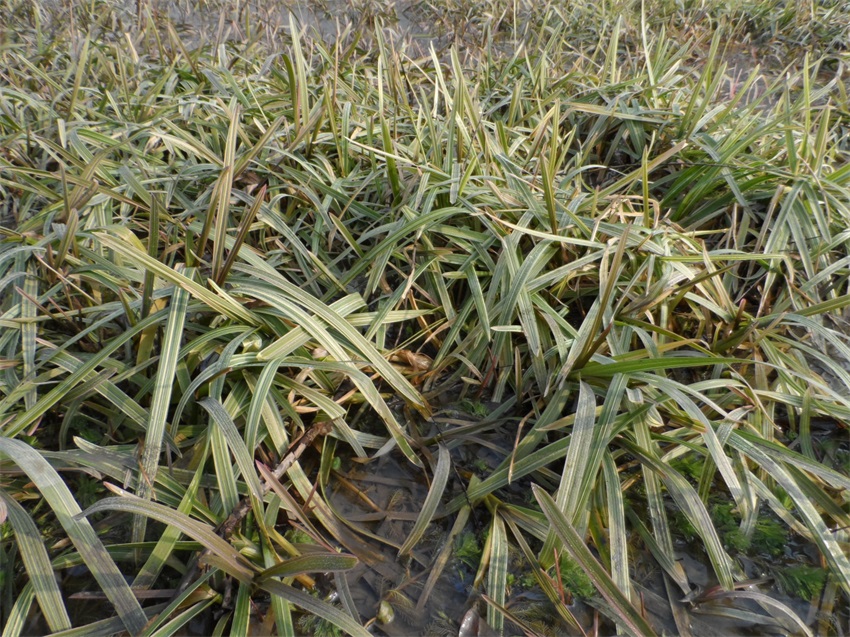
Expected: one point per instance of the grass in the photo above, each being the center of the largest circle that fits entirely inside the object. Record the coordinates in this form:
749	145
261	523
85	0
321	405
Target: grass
584	274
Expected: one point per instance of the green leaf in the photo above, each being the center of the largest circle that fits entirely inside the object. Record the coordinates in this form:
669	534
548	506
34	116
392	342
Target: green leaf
160	403
432	500
575	466
497	573
220	302
607	370
37	564
832	551
80	532
332	614
229	558
244	459
176	603
622	610
692	506
16	620
310	563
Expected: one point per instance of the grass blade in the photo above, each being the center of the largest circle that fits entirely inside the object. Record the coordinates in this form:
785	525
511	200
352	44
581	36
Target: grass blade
432	501
37	564
625	614
81	533
228	557
160	403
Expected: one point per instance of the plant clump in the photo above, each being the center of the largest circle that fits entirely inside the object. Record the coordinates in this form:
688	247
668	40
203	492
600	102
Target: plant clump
323	330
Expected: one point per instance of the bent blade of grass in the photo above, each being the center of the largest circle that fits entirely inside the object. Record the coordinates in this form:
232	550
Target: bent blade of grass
628	180
587	340
781	612
161	619
401	231
497	572
510	472
79	531
782	454
241	454
331	408
779	508
543	580
432	501
607	370
221	303
443	557
29	331
618	540
260	400
822	535
246	158
298	76
213	372
241	235
223	189
224	471
37	564
82	61
363	347
152	447
689	502
229	558
241	619
713	442
575	466
331	614
659	542
607	111
111	392
624	613
174	625
16	619
345	597
665	556
298	336
310	563
182	138
602	435
24	420
364	353
164	548
519	300
478	298
153	252
104	627
279	606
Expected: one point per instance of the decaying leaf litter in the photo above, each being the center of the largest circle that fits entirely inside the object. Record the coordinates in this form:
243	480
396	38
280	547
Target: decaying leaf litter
534	325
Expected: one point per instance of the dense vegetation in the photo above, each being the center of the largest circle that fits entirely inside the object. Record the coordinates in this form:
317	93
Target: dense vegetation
314	335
